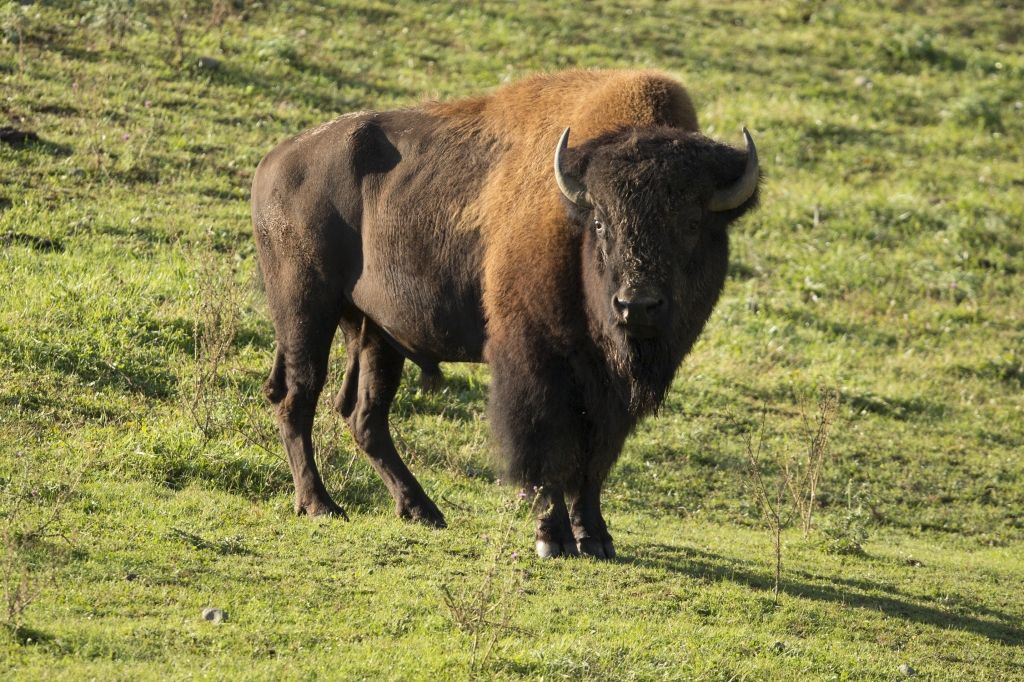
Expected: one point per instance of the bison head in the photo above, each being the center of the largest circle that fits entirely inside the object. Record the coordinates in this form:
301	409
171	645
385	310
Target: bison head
651	207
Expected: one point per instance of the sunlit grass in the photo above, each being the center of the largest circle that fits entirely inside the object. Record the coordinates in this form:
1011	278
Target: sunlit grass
886	261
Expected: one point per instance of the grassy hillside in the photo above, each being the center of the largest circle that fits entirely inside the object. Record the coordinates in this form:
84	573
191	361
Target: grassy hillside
141	478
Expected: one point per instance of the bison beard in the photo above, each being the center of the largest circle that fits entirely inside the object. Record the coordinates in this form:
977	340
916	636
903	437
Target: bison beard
443	233
644	369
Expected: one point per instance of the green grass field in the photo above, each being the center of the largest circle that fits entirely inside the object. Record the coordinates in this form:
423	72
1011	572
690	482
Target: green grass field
886	262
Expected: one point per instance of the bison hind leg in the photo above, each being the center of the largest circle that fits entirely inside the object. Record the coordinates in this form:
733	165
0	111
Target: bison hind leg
375	372
293	388
351	327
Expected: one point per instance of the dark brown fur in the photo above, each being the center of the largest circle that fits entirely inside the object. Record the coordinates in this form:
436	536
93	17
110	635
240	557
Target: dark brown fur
439	234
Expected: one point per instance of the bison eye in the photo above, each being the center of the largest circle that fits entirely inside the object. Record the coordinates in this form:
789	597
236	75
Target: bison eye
599	228
693	225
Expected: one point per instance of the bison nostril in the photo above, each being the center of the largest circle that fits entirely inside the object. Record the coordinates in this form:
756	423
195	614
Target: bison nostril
637	310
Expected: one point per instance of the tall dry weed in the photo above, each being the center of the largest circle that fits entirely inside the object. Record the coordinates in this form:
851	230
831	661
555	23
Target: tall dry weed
217	306
32	538
485	608
795	489
769	497
802	472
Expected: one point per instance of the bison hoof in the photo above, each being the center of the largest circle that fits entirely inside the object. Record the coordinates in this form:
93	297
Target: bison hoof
548	550
425	512
595	548
320	508
551	550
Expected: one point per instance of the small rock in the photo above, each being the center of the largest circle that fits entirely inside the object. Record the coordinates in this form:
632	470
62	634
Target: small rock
914	562
208	63
863	82
907	670
131	576
779	647
214	615
77	173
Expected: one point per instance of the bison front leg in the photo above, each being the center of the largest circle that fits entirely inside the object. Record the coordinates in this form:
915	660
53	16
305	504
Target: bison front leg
554	530
535	424
588	525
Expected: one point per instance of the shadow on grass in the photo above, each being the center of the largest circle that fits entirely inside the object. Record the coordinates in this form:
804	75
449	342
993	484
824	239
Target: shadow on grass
894	603
43	146
866	334
224	547
26	636
124	374
242	72
1009	370
135	372
31	241
866	402
37	409
179	467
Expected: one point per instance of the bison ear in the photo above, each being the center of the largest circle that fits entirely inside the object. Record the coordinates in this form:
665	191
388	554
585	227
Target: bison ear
576	219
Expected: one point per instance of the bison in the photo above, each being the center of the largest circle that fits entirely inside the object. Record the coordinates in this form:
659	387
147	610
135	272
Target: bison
470	231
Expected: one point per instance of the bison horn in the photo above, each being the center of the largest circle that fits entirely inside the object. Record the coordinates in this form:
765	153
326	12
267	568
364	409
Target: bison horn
574	190
741	190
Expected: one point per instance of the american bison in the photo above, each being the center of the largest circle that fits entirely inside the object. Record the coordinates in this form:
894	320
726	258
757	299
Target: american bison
470	231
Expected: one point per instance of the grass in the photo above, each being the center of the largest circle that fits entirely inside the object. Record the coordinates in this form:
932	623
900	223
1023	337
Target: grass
887	262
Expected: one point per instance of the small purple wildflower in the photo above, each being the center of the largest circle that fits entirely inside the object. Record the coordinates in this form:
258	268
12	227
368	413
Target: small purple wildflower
486	538
952	285
74	86
35	492
534	488
522	496
498	481
515	555
148	103
125	136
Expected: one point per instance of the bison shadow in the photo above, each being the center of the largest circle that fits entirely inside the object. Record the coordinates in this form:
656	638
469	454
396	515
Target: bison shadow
894	603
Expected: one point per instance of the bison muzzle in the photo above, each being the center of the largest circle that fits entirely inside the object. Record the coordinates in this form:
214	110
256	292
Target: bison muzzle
470	231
